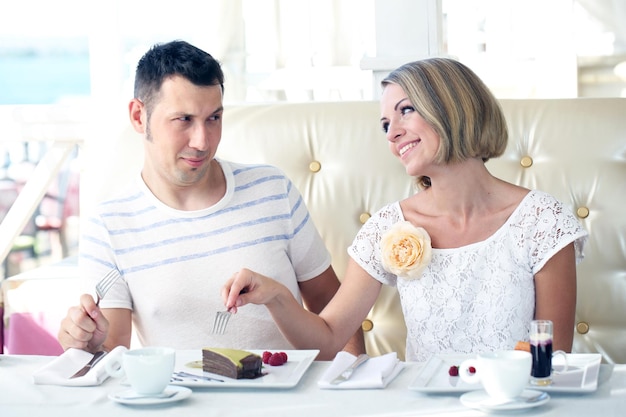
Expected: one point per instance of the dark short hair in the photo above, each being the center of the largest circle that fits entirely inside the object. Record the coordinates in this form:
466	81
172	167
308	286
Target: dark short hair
174	58
457	105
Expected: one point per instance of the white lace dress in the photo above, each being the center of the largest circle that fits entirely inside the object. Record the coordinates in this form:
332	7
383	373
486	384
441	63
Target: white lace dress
478	297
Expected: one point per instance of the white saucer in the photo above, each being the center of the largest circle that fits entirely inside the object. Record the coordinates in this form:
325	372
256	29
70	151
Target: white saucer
124	397
479	400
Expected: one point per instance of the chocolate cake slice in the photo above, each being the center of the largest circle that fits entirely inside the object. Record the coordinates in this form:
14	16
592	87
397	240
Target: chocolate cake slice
232	363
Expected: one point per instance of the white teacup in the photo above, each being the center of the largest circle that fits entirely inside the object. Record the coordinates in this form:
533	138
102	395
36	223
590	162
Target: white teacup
148	370
503	374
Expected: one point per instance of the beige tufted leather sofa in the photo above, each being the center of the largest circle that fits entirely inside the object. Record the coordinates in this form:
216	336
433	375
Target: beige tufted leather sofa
337	156
574	149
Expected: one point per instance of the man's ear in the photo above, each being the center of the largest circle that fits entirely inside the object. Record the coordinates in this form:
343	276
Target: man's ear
137	115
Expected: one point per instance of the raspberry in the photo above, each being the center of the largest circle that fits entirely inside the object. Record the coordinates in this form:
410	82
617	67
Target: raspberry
276	359
471	370
453	371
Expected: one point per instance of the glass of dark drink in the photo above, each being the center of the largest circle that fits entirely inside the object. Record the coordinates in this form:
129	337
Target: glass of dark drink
541	332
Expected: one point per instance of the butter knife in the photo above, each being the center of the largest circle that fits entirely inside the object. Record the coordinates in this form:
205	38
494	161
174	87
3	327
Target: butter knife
94	360
181	375
347	373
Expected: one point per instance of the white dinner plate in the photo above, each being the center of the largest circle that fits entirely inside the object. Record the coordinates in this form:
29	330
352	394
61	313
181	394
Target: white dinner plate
129	397
479	400
582	375
284	376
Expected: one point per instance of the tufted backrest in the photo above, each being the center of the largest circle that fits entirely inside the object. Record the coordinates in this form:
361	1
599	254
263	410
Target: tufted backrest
575	149
337	156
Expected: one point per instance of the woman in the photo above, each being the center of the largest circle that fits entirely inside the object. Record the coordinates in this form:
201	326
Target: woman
501	254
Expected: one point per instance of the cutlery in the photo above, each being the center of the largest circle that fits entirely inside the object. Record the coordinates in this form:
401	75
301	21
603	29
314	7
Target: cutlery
160	396
105	284
180	375
221	320
222	317
94	360
347	373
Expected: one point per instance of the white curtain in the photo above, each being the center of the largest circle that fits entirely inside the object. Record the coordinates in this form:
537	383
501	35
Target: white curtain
270	49
611	14
308	49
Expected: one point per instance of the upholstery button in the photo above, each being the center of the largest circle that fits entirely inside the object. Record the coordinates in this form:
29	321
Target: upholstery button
364	217
367	325
315	166
582	212
526	161
582	327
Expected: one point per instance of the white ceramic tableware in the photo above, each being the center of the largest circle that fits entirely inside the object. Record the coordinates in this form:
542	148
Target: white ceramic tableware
148	370
503	374
171	394
276	377
479	400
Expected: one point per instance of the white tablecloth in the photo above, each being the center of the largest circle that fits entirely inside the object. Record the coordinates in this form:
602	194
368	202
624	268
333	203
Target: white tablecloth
20	397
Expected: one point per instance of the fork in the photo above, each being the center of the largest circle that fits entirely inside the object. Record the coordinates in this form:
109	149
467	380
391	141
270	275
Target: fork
105	284
222	317
221	320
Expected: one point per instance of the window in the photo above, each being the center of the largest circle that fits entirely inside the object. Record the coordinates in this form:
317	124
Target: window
305	49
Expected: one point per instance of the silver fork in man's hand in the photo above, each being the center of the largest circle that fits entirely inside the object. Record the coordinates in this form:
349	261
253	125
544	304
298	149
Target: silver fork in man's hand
105	284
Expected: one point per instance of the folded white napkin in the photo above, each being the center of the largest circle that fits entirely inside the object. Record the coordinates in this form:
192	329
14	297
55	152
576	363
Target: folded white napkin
60	370
377	372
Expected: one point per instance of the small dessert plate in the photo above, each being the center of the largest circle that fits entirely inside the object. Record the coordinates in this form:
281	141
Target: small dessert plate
479	400
581	375
189	372
171	394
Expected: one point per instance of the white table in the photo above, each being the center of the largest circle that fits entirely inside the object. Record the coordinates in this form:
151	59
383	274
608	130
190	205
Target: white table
20	397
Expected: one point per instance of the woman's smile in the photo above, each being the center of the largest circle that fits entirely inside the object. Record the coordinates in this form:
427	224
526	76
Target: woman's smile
404	149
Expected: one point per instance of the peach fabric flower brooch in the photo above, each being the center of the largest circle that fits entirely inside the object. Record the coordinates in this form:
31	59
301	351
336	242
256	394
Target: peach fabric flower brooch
406	250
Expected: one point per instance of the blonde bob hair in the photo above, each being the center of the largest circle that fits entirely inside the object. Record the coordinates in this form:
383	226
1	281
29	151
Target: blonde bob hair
457	105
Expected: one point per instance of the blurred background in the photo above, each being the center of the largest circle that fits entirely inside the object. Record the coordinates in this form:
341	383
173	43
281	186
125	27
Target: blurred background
66	74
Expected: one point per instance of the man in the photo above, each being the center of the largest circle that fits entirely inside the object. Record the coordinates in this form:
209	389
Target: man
178	232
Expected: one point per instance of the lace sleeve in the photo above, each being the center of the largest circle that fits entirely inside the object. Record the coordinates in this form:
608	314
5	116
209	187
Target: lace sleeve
365	248
553	228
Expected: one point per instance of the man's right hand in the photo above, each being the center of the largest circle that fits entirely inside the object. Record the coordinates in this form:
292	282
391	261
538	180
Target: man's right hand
84	327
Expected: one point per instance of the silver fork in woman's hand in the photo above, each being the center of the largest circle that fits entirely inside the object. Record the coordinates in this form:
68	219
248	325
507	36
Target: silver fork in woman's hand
222	317
221	320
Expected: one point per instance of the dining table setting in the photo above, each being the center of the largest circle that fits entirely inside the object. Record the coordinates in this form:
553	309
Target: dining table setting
78	383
